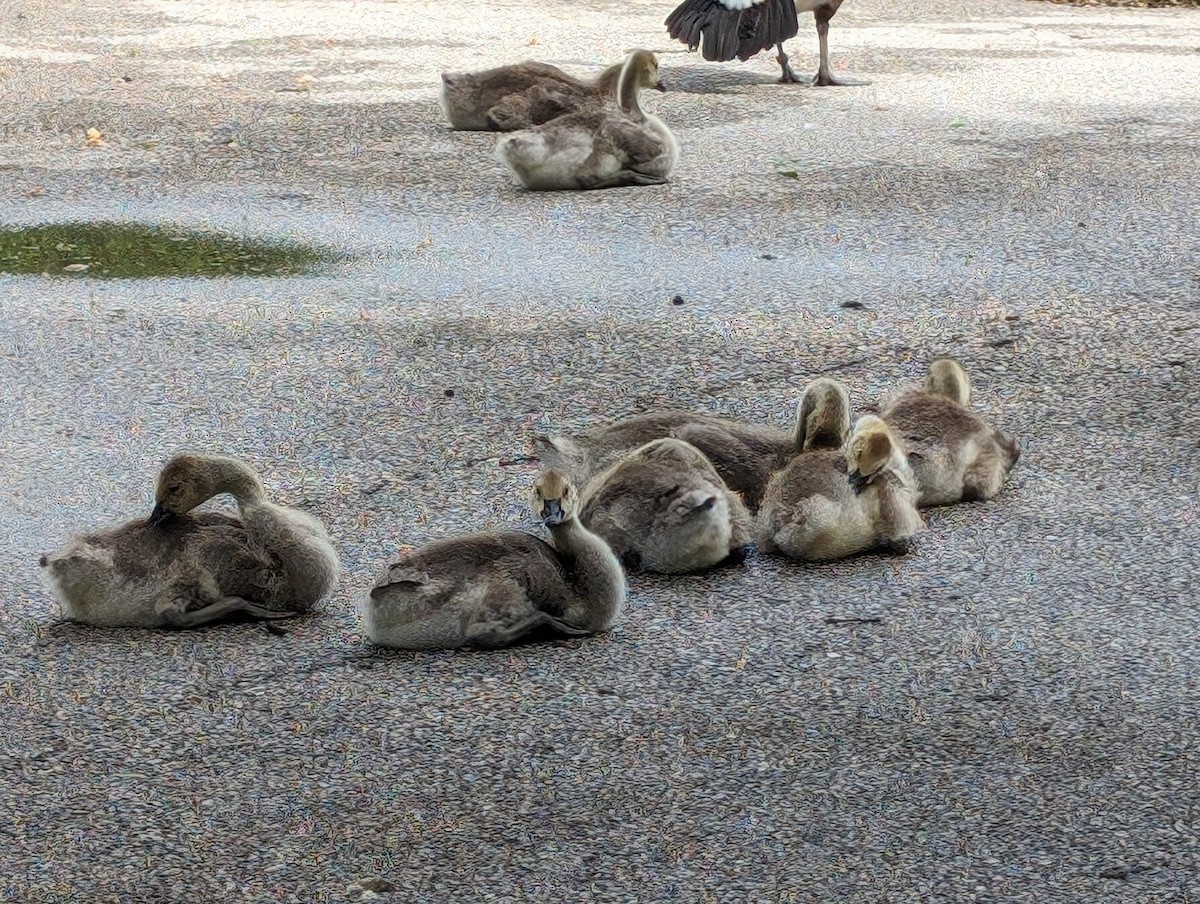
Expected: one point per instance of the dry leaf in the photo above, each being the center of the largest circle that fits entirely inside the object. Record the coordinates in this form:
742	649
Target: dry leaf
75	268
95	138
533	41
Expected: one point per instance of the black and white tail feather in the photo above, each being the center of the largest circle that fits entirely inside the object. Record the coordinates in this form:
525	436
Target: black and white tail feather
724	29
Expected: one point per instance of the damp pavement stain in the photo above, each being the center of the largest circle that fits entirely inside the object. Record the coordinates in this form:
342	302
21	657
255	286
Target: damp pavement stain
126	250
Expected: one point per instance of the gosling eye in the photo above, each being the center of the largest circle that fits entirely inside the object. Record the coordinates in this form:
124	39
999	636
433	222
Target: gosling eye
174	488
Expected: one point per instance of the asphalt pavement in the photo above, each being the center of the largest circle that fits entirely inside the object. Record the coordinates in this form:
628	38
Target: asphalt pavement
1009	713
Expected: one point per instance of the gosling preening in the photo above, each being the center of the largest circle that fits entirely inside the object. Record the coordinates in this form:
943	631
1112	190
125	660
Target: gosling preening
955	455
490	589
521	96
184	569
741	28
594	149
665	508
829	504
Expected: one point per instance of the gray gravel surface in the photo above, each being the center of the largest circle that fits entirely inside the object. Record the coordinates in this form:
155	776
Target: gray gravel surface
1013	715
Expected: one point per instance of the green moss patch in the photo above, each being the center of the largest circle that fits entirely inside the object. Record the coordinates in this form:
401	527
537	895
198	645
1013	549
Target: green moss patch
139	251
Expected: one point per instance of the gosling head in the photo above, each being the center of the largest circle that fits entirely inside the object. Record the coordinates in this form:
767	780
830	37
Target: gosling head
645	66
555	500
871	450
188	480
823	416
948	378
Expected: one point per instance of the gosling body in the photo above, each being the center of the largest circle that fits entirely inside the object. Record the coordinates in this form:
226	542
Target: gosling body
829	504
665	508
597	149
520	96
744	455
180	569
489	590
955	454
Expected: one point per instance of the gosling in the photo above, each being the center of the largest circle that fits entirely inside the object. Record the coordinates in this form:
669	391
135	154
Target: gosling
488	590
955	455
664	508
185	569
830	504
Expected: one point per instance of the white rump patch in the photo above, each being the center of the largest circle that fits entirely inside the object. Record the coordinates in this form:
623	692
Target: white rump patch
740	4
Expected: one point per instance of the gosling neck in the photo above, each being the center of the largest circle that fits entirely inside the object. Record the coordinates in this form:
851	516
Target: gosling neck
598	579
823	428
822	421
627	92
953	383
240	482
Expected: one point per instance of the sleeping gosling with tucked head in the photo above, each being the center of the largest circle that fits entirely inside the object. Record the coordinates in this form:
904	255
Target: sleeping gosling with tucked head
744	455
955	455
180	569
489	589
597	148
664	508
521	96
829	504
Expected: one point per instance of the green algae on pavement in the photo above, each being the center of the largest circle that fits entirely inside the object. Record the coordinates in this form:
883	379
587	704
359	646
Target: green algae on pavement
127	250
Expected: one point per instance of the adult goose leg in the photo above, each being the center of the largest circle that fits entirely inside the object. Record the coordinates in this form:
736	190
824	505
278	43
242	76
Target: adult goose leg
789	76
825	75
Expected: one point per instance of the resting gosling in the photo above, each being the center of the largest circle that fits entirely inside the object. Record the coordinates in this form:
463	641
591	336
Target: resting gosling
664	508
742	28
597	149
489	589
955	455
181	570
744	455
521	96
830	504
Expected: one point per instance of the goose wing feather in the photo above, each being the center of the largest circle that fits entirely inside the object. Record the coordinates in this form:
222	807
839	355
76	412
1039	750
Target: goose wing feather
725	29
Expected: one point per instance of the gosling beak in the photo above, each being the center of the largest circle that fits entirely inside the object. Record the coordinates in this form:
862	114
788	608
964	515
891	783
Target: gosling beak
858	482
159	515
552	512
660	86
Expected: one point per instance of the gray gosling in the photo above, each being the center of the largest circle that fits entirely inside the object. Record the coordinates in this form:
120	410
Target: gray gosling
744	455
665	508
955	455
829	504
594	149
489	589
521	96
179	569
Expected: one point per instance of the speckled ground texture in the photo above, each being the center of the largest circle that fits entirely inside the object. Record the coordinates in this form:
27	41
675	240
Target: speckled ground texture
1015	718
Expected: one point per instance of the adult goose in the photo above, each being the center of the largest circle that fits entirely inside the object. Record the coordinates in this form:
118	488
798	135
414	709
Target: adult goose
725	29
